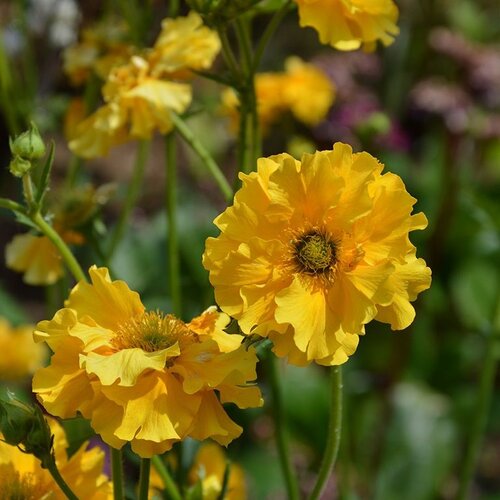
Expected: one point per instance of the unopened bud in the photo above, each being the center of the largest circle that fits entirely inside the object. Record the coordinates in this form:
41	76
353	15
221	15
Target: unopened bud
29	145
24	426
19	166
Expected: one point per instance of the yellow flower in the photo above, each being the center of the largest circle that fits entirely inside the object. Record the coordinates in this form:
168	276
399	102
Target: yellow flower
142	377
184	44
22	475
312	250
101	47
20	356
36	257
307	92
350	24
140	95
302	89
209	467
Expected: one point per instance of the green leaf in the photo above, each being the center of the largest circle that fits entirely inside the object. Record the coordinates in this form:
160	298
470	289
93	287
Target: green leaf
45	177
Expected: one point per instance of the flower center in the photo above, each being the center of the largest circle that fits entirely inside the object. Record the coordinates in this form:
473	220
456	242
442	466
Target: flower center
315	253
21	487
152	331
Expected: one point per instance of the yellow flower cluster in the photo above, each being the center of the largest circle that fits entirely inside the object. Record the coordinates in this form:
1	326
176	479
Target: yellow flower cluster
143	377
140	94
20	356
312	250
350	24
22	475
302	89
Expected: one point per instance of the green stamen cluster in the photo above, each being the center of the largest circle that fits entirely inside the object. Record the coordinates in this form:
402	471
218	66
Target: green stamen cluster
150	332
315	253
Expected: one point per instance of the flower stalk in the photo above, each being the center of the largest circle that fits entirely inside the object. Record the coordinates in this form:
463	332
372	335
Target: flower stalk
171	208
132	195
334	433
54	472
281	430
483	404
169	483
117	473
190	139
144	478
63	249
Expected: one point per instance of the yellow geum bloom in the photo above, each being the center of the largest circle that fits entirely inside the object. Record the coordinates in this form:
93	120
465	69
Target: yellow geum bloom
20	356
22	476
303	89
312	250
350	24
140	376
36	257
209	467
101	47
140	95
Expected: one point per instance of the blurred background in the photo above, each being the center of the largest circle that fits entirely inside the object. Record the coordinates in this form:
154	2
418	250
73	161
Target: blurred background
428	107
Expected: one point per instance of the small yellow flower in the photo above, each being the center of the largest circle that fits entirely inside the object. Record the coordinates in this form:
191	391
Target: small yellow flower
20	356
140	95
209	467
313	250
101	47
350	24
22	476
142	377
302	89
36	257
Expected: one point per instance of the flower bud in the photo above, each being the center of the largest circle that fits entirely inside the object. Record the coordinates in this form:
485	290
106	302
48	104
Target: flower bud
19	166
29	145
24	425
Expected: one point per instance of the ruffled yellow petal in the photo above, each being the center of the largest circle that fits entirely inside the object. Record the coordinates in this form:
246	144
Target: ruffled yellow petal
213	422
350	24
63	388
20	355
124	367
109	303
36	257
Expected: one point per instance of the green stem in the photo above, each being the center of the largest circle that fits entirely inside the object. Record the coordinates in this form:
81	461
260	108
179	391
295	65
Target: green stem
249	142
144	478
133	192
171	207
173	8
268	33
63	249
117	471
482	406
7	97
54	472
168	482
281	430
334	432
227	52
188	136
12	205
74	166
29	194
